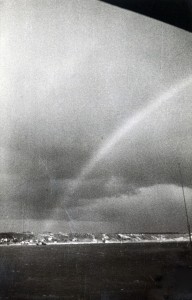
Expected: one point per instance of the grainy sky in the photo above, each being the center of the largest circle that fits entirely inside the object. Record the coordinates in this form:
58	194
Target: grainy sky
83	145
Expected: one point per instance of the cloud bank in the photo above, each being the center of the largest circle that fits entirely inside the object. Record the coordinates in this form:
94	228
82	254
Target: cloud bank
71	75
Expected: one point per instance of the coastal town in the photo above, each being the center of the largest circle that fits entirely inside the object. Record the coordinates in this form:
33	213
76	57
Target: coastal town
49	238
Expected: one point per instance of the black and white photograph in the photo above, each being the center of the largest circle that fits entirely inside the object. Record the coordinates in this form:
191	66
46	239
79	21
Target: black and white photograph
96	149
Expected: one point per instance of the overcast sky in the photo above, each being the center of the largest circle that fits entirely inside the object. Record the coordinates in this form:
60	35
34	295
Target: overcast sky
95	114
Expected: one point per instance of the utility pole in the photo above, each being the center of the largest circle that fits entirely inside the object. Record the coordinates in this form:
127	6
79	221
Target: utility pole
185	205
23	215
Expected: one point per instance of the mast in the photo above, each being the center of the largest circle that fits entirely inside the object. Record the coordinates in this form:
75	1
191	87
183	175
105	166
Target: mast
23	215
185	205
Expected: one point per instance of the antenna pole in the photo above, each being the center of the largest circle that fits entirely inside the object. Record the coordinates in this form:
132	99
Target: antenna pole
23	215
185	205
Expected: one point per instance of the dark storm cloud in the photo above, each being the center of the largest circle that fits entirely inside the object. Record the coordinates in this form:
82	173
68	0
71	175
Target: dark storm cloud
72	74
156	206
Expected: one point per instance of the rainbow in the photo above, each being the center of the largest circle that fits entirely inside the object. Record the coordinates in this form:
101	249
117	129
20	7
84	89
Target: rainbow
129	125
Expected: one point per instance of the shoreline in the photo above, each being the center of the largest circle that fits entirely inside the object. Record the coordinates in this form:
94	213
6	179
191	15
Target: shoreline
100	243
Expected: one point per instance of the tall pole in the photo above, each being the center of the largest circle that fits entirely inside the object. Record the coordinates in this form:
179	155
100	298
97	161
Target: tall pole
185	205
23	215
